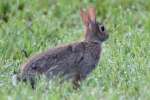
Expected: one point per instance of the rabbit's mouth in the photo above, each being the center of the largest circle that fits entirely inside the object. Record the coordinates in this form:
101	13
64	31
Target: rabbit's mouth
104	38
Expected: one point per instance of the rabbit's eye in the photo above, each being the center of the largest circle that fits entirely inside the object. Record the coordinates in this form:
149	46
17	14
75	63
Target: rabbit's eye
101	28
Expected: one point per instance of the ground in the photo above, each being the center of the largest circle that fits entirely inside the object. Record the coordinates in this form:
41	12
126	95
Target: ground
31	26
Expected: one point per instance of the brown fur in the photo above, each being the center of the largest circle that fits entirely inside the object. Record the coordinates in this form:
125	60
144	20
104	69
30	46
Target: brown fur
74	61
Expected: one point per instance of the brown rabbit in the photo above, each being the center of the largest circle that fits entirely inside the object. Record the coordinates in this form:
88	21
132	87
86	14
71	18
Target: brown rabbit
74	61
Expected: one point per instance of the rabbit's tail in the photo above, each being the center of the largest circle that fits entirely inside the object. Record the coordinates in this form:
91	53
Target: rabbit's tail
15	78
18	77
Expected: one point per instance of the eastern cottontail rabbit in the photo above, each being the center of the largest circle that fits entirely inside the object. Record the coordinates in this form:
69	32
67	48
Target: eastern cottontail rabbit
74	61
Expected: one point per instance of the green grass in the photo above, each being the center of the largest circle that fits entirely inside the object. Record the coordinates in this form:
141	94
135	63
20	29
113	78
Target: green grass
35	25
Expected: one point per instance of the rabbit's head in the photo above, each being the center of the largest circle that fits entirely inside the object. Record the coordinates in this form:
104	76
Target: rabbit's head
94	31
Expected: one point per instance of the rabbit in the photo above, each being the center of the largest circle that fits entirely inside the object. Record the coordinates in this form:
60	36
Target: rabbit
73	61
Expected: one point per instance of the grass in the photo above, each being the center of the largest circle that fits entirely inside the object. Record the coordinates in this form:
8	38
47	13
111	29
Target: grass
30	26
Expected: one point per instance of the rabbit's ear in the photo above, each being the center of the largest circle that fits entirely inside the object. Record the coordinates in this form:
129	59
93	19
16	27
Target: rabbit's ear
92	13
85	17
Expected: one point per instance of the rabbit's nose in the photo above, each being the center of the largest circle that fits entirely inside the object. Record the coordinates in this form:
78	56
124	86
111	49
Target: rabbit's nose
105	37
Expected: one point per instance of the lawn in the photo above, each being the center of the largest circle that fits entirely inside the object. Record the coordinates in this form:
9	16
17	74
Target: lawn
31	26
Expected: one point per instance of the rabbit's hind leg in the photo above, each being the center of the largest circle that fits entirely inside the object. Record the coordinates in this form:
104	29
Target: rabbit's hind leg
76	81
29	78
